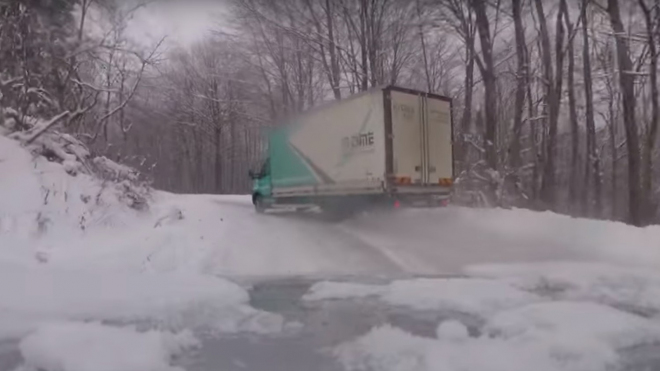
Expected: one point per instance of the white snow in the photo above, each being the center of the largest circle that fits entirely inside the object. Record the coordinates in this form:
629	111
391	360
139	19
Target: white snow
475	296
31	296
84	223
49	216
452	330
387	348
432	241
115	170
75	346
543	316
554	292
572	325
633	288
543	336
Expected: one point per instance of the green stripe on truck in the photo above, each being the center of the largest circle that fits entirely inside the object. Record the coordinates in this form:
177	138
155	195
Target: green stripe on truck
287	167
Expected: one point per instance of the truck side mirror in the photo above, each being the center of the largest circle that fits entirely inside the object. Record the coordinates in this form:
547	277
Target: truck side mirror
252	175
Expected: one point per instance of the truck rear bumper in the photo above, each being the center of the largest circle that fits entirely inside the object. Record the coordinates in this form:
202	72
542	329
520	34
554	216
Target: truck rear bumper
421	190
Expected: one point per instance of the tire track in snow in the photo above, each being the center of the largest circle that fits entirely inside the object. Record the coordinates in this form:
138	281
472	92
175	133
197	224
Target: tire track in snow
291	244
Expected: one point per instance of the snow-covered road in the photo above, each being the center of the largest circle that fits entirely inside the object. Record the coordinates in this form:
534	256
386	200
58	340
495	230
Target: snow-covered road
223	235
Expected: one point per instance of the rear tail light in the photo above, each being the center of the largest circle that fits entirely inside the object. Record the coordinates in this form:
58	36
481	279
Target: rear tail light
397	204
403	180
445	181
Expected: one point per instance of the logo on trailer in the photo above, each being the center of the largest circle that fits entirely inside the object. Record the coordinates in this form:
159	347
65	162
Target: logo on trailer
357	141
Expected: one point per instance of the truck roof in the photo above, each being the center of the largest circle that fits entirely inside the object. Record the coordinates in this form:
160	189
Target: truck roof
292	120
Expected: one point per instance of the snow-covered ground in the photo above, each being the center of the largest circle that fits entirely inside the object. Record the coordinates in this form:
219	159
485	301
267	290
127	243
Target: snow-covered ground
529	316
84	277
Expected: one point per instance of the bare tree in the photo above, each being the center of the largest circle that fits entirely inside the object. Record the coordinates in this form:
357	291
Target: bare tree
460	17
486	65
650	23
522	79
627	84
575	134
593	161
553	81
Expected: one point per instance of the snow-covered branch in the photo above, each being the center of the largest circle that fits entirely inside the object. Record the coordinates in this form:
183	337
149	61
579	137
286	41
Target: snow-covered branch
43	127
473	144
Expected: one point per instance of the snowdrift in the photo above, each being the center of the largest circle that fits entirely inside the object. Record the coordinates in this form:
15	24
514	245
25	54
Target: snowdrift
43	200
51	207
555	316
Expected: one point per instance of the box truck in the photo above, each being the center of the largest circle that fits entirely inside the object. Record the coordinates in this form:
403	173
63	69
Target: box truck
387	145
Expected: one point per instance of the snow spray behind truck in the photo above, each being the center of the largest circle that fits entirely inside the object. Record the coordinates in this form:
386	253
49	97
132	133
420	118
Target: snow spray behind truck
387	145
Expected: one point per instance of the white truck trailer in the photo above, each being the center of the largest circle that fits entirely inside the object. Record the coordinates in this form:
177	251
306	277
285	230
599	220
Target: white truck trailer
388	144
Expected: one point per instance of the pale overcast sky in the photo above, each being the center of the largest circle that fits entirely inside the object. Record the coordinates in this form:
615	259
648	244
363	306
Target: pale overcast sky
184	22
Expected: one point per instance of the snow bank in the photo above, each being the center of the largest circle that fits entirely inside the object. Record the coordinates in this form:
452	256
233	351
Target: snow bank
32	296
573	325
545	316
42	206
71	346
543	336
74	248
474	296
387	348
634	289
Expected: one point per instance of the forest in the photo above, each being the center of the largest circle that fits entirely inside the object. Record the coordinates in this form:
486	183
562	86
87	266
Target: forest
555	102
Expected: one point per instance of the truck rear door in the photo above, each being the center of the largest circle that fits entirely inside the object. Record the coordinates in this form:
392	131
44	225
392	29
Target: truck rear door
421	146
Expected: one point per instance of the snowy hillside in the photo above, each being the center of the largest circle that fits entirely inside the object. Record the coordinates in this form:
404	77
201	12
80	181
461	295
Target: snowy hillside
81	266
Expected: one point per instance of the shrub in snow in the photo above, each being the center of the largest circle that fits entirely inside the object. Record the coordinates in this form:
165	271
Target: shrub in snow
55	187
76	158
111	170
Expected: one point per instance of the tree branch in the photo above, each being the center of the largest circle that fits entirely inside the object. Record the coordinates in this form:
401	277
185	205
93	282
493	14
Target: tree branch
43	128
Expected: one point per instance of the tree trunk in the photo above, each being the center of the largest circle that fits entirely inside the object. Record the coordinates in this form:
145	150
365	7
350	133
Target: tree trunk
593	160
553	100
218	160
627	83
533	134
522	77
364	85
466	118
429	85
332	50
652	134
613	149
487	69
572	110
108	85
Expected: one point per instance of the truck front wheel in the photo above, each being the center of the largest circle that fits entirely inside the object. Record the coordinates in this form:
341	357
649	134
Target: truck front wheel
259	204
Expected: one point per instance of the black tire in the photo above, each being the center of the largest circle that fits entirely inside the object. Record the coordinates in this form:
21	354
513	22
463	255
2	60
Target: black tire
259	204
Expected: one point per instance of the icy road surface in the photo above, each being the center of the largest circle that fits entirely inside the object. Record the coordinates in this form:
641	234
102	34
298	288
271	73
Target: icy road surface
223	235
